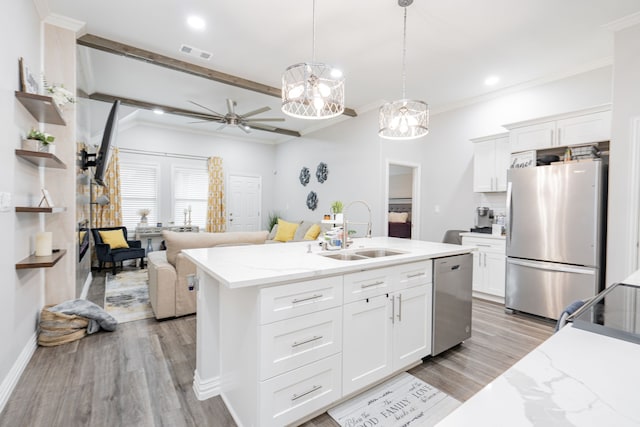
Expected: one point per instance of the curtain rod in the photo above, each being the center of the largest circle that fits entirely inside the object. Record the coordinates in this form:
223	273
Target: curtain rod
161	154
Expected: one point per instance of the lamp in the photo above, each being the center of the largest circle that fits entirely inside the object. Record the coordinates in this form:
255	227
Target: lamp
405	118
312	90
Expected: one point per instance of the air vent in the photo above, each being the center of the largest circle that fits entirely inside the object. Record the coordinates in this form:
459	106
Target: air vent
194	51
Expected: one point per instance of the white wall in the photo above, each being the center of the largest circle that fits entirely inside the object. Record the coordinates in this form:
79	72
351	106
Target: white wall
624	158
239	157
22	293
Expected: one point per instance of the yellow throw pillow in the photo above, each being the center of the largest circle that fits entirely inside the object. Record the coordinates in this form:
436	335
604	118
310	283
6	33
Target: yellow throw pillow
286	230
312	233
114	238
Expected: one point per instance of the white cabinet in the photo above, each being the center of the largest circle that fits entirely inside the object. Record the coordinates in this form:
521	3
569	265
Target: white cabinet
577	128
489	263
389	331
490	163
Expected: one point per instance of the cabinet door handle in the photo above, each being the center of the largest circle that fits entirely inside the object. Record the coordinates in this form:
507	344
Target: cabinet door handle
296	300
559	142
308	340
485	259
411	276
483	245
479	259
298	396
393	309
379	282
552	137
399	307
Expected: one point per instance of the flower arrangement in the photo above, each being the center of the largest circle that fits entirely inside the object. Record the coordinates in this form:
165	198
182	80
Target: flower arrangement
144	212
43	137
60	95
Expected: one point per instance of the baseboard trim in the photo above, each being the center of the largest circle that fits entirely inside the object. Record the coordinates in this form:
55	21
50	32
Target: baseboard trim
11	380
86	286
205	389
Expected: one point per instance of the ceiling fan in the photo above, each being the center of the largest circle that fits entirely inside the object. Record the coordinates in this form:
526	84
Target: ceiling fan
243	121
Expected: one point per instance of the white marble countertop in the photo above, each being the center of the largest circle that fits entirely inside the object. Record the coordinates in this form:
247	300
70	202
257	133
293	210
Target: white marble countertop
575	378
483	235
257	265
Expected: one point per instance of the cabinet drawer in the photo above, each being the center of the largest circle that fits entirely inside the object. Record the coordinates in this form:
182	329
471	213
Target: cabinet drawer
287	344
367	284
414	274
286	301
291	396
488	244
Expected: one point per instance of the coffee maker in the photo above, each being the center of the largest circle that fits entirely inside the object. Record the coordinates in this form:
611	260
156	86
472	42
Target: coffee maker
484	220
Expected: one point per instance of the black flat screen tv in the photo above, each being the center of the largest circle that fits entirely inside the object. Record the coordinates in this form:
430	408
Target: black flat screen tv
104	152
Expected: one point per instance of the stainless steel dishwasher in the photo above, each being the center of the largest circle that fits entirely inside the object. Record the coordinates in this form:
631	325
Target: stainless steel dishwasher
451	301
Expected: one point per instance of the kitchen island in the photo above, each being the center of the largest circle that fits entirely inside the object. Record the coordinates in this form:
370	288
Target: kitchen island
285	331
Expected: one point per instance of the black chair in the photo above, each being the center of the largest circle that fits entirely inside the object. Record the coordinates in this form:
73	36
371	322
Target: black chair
453	236
104	253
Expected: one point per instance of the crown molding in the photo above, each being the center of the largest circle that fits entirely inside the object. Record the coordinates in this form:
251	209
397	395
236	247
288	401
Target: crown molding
623	23
78	27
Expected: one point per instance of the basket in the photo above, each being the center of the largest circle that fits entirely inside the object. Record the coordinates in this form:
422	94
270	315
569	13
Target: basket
60	328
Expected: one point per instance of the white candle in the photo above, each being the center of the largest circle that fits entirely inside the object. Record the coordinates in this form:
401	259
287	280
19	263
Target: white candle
43	243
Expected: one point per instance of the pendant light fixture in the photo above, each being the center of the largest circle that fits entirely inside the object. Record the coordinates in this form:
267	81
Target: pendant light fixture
312	90
406	118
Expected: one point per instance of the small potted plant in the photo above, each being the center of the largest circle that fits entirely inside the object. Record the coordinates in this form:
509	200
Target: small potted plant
336	209
39	141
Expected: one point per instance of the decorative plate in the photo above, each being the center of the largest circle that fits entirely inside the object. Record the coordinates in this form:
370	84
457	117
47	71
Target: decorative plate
321	172
312	200
304	176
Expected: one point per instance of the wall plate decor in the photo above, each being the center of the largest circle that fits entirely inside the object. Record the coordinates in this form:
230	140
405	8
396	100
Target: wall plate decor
312	200
304	176
321	172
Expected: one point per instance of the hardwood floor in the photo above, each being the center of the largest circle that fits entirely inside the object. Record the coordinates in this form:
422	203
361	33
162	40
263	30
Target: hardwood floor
141	374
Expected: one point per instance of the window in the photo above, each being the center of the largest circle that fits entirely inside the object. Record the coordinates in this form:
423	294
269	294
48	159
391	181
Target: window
139	190
190	188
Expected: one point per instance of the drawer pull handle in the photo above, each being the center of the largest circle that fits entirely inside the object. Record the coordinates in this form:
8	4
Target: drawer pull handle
372	284
307	298
298	396
411	276
308	340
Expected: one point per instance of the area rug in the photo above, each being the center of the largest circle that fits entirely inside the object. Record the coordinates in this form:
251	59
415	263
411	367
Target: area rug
126	295
404	400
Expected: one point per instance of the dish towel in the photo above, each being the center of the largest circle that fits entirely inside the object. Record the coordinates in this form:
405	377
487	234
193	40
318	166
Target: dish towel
568	311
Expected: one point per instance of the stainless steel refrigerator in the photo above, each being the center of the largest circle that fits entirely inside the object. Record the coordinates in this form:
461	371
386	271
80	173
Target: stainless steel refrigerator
556	229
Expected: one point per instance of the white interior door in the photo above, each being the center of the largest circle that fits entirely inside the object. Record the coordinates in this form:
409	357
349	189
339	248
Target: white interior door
244	202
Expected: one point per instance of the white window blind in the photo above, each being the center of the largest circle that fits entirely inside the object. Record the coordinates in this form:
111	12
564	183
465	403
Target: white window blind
190	188
139	190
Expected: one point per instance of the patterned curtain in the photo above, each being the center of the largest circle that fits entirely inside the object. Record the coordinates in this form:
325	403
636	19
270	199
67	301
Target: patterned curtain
109	215
215	198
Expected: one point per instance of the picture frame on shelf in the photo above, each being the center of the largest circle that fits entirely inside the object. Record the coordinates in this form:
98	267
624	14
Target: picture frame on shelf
28	83
46	199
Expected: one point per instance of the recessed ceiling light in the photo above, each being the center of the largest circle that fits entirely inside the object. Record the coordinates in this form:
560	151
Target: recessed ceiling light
196	22
491	80
158	111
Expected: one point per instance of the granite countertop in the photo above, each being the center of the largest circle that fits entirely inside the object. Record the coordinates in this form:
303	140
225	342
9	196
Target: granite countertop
575	378
258	265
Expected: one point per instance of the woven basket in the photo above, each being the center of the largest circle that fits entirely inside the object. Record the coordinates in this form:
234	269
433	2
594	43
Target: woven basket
60	328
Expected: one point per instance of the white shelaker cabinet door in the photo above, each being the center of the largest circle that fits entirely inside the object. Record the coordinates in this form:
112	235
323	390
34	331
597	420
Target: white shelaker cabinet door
585	129
477	283
483	166
532	137
412	325
366	352
495	273
502	156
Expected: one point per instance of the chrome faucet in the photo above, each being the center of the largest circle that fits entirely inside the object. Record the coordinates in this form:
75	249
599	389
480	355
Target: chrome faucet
345	229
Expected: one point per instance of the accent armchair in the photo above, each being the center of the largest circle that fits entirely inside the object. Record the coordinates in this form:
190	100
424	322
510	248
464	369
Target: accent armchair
105	253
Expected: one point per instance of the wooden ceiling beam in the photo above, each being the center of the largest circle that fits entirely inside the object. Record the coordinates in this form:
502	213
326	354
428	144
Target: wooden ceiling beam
106	45
180	111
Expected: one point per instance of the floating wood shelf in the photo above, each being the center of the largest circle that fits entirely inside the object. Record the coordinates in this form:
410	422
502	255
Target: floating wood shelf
38	209
33	261
41	107
38	158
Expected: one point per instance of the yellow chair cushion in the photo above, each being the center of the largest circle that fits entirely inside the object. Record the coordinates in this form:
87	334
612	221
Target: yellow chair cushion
114	238
286	230
312	233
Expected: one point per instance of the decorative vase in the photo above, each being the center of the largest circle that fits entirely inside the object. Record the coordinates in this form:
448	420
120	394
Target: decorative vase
338	217
30	145
149	246
143	220
48	148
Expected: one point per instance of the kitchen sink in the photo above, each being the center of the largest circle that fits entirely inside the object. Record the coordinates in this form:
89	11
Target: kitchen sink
362	254
376	253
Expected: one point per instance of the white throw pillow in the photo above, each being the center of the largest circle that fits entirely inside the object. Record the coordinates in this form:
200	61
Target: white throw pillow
398	216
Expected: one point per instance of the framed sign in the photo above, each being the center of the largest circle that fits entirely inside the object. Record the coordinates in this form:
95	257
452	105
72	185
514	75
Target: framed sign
28	82
46	199
526	159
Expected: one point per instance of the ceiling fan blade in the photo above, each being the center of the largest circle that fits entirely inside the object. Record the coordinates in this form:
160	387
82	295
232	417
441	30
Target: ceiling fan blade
272	119
260	126
206	108
254	112
202	121
231	104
